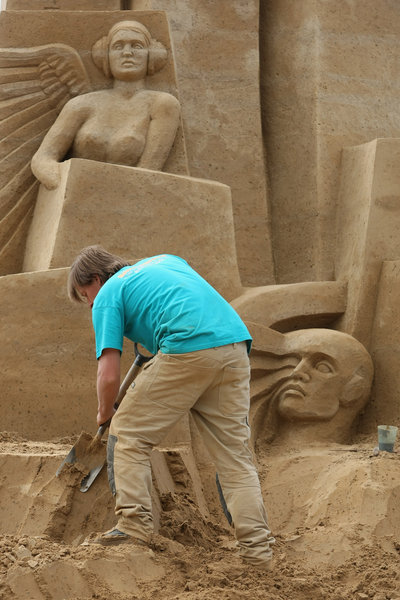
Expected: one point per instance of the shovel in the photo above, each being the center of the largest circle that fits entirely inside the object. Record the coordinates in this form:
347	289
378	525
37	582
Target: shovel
88	451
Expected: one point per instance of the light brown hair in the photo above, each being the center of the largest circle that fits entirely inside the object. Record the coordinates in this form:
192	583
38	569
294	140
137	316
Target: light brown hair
92	261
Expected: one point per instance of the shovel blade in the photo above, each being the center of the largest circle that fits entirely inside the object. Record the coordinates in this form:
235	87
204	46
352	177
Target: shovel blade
91	457
90	477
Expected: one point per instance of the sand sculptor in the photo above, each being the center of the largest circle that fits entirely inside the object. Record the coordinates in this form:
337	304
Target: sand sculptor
201	365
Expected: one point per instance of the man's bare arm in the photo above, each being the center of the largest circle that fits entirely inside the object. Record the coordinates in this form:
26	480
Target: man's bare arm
108	380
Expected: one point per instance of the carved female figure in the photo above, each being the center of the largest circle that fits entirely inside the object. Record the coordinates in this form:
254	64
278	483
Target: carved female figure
126	124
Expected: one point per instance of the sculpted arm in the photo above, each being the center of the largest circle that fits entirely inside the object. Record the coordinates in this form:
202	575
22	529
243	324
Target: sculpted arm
163	126
45	163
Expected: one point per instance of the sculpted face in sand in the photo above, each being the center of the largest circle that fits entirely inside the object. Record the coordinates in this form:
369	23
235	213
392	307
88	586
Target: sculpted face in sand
128	55
127	124
334	370
313	389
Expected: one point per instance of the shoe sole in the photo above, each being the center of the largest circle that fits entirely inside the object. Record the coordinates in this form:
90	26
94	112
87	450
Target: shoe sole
112	542
116	541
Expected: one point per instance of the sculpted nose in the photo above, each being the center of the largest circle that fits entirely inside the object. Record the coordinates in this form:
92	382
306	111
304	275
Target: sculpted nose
301	371
127	49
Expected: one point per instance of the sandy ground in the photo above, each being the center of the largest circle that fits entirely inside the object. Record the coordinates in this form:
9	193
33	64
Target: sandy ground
335	513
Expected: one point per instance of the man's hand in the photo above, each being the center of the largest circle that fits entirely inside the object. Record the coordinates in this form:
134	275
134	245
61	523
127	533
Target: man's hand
108	380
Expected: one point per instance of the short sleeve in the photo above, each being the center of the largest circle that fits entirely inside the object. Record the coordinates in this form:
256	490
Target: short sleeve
108	328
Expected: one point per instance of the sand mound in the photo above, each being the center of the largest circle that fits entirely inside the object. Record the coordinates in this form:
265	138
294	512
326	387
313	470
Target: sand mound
334	511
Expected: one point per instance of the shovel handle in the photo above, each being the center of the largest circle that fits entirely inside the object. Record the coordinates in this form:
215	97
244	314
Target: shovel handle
139	361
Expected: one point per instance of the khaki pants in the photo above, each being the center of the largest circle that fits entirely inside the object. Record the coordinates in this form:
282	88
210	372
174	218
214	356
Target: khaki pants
214	385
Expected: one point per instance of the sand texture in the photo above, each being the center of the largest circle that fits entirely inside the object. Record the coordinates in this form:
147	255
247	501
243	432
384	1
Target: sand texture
334	511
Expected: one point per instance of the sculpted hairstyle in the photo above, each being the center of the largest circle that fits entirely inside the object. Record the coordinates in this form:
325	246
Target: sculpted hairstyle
157	52
91	261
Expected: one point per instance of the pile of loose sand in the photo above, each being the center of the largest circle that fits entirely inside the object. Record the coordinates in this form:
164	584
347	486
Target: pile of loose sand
335	513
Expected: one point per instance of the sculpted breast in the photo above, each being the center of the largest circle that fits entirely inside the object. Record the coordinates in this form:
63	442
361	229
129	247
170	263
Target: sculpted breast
114	132
122	146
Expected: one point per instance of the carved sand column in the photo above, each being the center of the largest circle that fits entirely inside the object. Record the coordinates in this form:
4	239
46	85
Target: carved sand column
385	350
368	228
368	249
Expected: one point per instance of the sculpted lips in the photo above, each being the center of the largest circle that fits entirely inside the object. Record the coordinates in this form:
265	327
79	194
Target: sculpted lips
292	387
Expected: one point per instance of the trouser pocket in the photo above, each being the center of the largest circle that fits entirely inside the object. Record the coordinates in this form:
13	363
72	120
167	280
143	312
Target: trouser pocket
234	392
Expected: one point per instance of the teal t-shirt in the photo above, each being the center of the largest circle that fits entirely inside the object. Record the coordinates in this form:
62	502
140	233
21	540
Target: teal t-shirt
163	304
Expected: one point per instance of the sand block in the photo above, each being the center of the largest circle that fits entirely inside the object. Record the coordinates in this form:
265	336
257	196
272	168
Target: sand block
135	212
19	490
189	460
293	306
175	469
48	358
65	581
174	465
385	349
327	501
368	231
34	502
120	574
61	4
23	584
161	473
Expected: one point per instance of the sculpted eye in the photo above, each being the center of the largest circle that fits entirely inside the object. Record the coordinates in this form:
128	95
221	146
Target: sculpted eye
324	367
117	46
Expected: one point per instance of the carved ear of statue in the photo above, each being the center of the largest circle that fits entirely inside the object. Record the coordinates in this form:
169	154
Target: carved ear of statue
354	390
100	55
158	56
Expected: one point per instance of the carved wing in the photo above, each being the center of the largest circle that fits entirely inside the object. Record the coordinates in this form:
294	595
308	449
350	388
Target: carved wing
35	83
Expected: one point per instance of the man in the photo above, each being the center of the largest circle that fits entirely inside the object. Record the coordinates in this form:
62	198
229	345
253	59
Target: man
201	364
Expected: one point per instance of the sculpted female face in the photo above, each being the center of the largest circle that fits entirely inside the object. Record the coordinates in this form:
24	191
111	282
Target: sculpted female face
128	55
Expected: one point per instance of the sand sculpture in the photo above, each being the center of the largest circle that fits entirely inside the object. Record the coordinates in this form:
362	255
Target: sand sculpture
124	125
126	56
314	298
320	381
